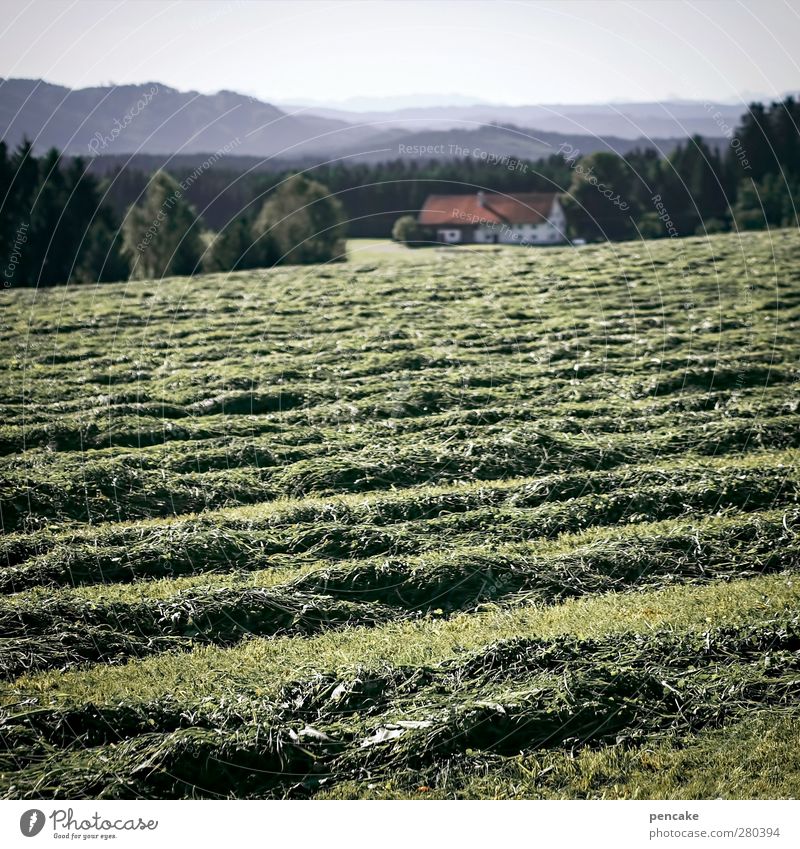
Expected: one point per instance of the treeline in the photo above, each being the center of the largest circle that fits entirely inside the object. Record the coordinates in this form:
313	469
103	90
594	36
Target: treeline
752	184
53	226
299	223
58	225
372	195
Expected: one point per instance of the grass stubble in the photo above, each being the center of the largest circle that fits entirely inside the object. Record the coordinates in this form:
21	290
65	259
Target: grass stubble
519	525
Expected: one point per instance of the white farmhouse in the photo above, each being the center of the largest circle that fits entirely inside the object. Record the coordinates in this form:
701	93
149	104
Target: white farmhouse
533	218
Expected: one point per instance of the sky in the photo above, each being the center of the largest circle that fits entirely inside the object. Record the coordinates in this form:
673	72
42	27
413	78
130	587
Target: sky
572	51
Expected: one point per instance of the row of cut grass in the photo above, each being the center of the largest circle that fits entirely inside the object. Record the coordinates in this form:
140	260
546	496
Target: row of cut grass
453	518
543	694
65	629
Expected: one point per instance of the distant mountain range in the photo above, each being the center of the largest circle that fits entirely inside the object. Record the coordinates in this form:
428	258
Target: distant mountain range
387	104
632	121
154	120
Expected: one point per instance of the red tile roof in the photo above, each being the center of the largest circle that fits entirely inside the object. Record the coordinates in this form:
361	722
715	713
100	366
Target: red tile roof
466	210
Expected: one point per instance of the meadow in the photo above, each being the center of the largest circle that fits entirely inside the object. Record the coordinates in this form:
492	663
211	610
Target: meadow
438	524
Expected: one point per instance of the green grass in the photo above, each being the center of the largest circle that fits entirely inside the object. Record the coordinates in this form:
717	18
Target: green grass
387	252
493	524
386	719
259	666
383	251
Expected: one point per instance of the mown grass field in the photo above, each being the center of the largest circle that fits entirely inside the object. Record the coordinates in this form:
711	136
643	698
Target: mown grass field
512	524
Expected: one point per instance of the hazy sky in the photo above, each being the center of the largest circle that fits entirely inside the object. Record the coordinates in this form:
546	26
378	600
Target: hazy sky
503	52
